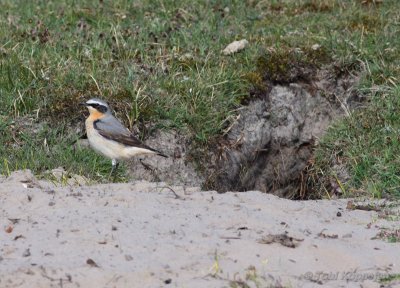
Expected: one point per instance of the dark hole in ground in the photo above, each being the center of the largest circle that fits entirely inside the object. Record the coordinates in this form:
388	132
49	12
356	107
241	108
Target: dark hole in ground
270	146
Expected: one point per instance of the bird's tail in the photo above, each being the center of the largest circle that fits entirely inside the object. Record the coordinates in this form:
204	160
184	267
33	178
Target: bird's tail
161	154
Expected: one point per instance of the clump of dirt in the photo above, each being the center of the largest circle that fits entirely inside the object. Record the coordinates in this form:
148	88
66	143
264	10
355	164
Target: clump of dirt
270	147
177	169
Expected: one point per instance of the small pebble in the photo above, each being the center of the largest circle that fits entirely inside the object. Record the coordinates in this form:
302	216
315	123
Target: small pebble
27	253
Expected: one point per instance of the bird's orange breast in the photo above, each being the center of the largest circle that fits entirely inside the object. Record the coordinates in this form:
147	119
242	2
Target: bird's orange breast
95	115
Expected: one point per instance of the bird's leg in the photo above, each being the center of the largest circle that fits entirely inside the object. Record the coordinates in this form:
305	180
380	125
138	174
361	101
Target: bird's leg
115	165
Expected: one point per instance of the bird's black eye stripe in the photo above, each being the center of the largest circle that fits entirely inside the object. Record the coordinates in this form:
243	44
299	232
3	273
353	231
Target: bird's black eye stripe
99	107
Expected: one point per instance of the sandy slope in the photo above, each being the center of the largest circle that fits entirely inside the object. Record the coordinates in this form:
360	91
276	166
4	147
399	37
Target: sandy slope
140	235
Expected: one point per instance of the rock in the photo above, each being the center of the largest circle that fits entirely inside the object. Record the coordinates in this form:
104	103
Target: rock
82	143
315	47
21	176
235	46
67	178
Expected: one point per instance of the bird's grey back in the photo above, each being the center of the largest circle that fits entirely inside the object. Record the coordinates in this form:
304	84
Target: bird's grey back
110	125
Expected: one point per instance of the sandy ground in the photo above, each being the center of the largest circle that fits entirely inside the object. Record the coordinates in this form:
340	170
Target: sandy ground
141	235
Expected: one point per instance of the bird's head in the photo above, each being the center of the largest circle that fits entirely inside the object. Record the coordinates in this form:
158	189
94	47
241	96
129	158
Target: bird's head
97	107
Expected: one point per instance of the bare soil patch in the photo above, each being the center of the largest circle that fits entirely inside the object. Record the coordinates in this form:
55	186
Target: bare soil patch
140	234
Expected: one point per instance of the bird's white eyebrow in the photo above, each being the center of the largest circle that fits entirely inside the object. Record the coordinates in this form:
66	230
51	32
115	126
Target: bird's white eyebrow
96	102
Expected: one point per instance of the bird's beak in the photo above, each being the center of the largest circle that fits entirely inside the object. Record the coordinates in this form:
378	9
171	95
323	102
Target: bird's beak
83	104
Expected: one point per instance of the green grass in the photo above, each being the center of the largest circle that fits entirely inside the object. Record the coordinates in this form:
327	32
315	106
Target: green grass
390	235
159	64
154	62
369	142
390	278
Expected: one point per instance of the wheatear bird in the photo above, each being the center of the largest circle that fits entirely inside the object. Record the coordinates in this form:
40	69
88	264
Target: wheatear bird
109	137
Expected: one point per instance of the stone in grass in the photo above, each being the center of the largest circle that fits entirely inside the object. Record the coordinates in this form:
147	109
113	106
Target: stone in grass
235	46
